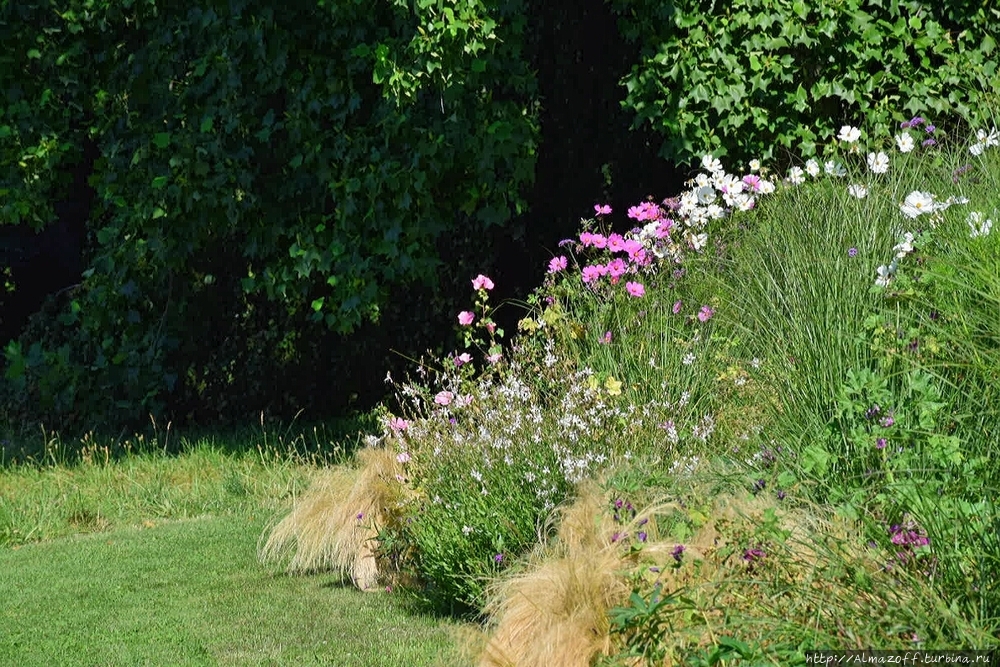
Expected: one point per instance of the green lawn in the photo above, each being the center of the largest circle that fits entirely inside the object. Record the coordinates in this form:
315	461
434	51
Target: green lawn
191	592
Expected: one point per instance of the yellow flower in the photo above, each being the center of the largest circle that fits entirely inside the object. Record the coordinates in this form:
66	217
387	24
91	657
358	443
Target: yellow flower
613	386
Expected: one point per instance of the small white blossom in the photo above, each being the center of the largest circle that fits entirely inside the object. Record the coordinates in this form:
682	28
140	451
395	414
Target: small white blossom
834	168
878	162
978	225
904	142
849	134
754	165
858	191
688	359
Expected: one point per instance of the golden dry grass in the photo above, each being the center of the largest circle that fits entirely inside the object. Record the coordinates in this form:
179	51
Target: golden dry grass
555	611
333	526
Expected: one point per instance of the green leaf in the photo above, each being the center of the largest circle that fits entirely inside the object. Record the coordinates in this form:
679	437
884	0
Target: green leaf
161	139
207	124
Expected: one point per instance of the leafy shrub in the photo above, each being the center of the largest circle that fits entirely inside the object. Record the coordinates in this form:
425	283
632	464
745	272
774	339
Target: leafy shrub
769	78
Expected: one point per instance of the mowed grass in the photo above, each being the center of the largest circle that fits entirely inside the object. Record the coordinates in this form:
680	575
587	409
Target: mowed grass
165	572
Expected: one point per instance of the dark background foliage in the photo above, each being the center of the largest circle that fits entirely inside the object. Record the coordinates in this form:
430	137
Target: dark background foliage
207	212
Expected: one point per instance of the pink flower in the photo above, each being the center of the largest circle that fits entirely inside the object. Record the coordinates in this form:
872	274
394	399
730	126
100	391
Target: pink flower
593	272
602	209
598	240
635	289
617	268
606	338
647	210
616	243
677	306
705	314
491	326
493	358
557	264
482	282
444	397
752	181
663	231
632	246
586	239
463	358
465	318
403	457
398	424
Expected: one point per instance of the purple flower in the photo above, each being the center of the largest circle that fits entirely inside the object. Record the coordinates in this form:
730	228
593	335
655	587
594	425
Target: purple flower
498	558
926	143
929	129
642	536
677	306
852	252
781	494
360	516
916	121
616	536
880	443
751	556
887	421
758	486
678	552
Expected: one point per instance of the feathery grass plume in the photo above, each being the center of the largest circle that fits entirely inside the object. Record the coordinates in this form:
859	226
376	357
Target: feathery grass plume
554	613
335	524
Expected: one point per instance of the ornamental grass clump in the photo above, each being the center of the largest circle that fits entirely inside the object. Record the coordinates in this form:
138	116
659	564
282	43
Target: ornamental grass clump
334	526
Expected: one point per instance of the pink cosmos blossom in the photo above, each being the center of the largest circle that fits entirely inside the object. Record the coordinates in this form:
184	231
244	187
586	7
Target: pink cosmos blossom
632	246
463	358
599	241
593	272
663	230
465	318
398	424
482	282
586	239
752	181
706	313
602	209
557	264
677	306
616	243
647	210
617	267
444	397
635	289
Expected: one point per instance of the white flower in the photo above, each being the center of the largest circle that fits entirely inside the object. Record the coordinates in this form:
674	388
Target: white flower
715	212
916	203
702	180
688	359
812	167
754	165
904	142
745	202
849	134
987	139
466	530
878	162
858	191
884	275
978	226
834	168
697	241
705	194
766	187
711	163
904	247
796	176
977	149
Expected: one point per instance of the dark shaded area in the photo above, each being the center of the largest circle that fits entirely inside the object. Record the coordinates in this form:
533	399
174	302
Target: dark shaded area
46	262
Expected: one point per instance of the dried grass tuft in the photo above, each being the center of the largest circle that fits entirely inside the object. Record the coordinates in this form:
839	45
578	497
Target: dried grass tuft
335	523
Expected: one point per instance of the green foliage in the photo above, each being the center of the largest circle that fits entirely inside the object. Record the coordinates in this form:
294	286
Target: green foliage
256	176
772	78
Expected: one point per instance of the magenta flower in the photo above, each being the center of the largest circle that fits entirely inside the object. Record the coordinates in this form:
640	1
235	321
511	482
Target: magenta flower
587	239
616	243
599	241
606	338
482	282
880	443
617	268
592	273
677	306
466	317
498	558
663	230
644	211
706	313
752	181
635	289
557	264
444	397
398	424
602	209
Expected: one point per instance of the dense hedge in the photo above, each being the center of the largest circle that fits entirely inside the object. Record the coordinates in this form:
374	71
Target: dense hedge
772	78
262	171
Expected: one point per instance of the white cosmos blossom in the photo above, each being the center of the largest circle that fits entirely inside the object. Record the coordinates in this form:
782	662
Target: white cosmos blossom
812	167
904	142
849	134
705	194
796	176
698	241
917	203
858	191
885	274
878	162
702	180
754	165
715	212
711	163
834	168
766	187
904	247
978	225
